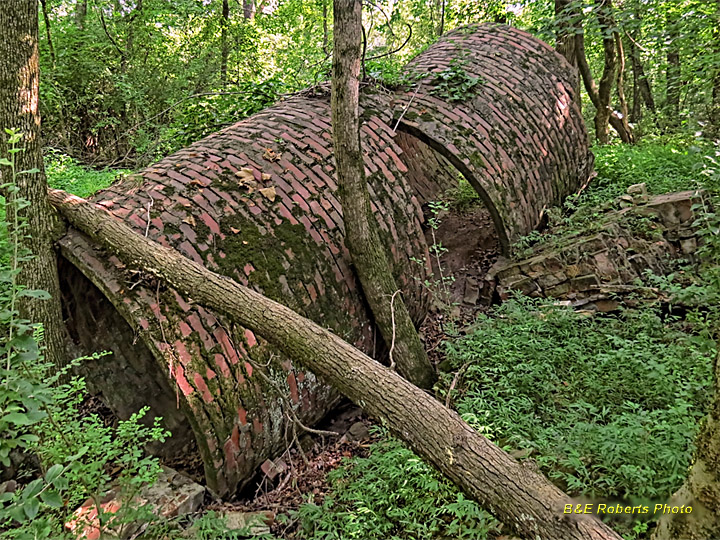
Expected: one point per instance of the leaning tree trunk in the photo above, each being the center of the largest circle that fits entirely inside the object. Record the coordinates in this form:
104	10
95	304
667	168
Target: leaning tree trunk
516	494
361	235
701	490
19	95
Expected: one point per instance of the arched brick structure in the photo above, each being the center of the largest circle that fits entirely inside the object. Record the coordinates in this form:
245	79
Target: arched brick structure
519	138
256	202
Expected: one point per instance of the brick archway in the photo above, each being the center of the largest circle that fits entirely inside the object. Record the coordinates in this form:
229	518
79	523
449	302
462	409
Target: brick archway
256	202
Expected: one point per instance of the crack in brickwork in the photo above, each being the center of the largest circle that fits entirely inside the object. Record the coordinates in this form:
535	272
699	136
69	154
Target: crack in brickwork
287	240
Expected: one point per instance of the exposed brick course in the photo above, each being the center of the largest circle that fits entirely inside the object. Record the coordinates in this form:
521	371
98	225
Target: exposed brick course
256	202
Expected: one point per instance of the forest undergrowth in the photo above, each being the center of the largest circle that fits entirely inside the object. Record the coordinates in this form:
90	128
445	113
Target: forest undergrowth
606	406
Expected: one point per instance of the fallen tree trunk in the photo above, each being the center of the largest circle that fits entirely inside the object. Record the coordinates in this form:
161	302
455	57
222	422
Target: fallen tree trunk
516	494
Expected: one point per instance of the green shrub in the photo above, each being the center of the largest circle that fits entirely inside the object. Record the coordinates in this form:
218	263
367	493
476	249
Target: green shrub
41	416
392	495
608	406
664	166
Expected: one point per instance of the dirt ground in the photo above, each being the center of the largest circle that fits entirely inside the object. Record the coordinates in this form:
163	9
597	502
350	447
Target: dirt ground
470	248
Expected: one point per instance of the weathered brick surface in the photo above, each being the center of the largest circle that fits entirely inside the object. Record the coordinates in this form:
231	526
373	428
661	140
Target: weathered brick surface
589	269
519	138
256	202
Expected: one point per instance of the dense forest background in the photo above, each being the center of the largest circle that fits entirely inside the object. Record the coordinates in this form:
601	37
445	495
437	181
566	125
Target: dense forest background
126	82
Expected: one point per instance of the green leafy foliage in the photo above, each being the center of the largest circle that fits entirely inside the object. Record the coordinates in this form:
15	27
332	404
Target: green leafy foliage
64	172
463	197
205	114
664	166
607	406
212	526
40	415
392	495
454	83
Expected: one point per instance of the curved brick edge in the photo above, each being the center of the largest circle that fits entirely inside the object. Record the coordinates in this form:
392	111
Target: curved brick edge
289	248
519	138
256	202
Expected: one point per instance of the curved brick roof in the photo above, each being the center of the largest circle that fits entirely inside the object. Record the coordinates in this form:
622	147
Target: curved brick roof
520	138
256	202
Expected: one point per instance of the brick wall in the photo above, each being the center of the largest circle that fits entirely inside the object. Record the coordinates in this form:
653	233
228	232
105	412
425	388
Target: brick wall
257	202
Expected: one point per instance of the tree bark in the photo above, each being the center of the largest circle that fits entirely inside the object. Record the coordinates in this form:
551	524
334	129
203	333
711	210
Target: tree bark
636	109
361	234
80	14
19	96
715	104
248	9
567	19
672	73
641	85
620	87
602	114
516	494
701	490
224	42
600	96
326	33
48	30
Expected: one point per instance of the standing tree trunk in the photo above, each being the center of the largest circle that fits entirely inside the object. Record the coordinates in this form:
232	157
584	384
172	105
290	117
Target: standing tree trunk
326	33
701	490
248	9
224	41
19	96
672	74
642	91
48	30
567	20
361	234
80	14
715	104
602	114
441	26
636	110
600	96
620	86
515	493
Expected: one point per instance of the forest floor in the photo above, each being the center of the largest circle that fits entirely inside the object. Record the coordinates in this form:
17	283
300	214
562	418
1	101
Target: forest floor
606	406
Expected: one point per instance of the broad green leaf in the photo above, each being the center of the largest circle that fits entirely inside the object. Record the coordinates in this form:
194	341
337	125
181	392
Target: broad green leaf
31	508
32	489
53	472
17	418
52	499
